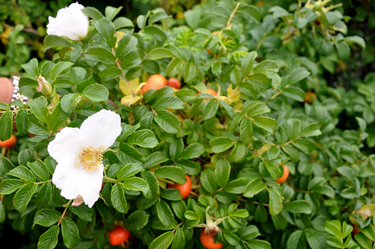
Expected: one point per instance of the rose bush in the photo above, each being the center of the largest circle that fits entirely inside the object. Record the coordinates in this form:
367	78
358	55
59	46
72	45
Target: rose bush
237	121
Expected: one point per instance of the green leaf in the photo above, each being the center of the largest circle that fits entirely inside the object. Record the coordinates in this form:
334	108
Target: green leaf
276	203
155	158
266	65
173	173
70	232
174	67
96	92
210	109
83	212
246	131
118	198
107	30
247	64
175	149
22	122
8	186
297	75
304	144
38	107
159	53
295	240
32	68
23	196
23	173
39	169
221	144
156	32
163	241
51	41
111	12
355	39
122	22
46	217
100	54
128	170
49	239
44	196
157	16
126	44
295	93
165	214
194	150
335	242
208	180
265	123
333	227
237	186
179	239
222	172
254	187
363	241
170	102
92	12
299	206
137	220
256	108
6	125
238	153
310	131
250	11
59	68
167	121
152	182
143	138
190	168
192	18
136	184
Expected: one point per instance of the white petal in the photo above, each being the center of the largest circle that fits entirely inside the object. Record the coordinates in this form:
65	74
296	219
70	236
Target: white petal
66	178
69	22
90	184
100	129
66	144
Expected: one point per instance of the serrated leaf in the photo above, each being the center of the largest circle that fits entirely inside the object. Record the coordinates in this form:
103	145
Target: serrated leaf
222	172
46	217
275	205
49	239
70	232
96	92
118	198
173	173
143	138
23	196
165	214
163	241
167	121
107	30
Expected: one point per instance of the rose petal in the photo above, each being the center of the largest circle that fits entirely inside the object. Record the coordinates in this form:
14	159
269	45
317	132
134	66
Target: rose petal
90	184
66	177
66	144
100	129
69	22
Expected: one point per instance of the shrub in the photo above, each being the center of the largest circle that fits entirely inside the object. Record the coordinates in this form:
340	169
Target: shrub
233	145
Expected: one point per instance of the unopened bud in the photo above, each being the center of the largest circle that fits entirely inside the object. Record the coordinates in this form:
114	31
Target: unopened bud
46	87
78	201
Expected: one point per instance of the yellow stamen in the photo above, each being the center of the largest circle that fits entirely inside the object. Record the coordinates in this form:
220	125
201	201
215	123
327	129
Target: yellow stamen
90	158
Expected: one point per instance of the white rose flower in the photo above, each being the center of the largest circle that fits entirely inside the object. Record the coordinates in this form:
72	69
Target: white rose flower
78	152
69	22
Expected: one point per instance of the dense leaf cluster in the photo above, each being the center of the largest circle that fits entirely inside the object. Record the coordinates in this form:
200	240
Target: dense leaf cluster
261	62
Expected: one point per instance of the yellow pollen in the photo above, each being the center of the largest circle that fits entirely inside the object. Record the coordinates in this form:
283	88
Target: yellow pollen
90	158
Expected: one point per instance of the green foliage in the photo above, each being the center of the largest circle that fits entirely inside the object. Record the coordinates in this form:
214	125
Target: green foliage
262	61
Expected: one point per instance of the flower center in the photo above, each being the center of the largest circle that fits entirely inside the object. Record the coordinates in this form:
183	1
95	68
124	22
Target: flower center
90	158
